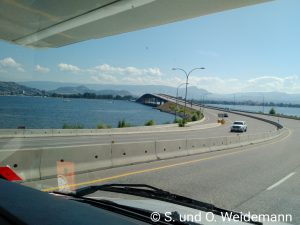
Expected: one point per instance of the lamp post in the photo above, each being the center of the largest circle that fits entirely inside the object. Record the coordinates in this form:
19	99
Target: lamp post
177	99
187	80
263	104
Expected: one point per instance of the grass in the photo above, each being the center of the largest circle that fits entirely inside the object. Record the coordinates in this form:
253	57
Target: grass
123	123
150	123
190	114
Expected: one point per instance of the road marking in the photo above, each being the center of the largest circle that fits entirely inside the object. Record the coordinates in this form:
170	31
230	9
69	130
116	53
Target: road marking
161	167
90	145
191	128
281	181
139	172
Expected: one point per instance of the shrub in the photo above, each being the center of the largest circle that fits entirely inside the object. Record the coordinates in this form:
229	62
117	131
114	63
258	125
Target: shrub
195	117
103	126
172	108
150	123
272	111
182	123
177	120
72	126
122	123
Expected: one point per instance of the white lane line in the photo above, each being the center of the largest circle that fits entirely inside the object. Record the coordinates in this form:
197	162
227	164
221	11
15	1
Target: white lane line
281	181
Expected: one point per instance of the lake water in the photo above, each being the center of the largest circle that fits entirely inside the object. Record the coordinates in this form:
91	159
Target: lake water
38	112
283	110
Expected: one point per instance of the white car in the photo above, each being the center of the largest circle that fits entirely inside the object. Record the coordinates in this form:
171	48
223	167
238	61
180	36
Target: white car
239	126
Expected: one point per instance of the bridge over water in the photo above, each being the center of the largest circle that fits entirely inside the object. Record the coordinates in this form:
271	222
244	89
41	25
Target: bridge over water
152	99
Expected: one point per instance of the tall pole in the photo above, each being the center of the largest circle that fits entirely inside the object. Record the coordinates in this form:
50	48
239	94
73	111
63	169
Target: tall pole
263	104
187	80
234	101
177	99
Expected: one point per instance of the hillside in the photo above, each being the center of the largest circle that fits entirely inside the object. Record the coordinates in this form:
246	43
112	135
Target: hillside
83	89
135	90
12	88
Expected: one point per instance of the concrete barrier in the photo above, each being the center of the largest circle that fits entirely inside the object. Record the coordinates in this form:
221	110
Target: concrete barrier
26	163
38	132
170	149
85	159
35	164
218	143
128	153
244	139
64	132
195	146
11	133
233	141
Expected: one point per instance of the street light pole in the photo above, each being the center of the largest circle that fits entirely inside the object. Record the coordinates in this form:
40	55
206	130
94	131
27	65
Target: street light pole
263	104
177	99
187	80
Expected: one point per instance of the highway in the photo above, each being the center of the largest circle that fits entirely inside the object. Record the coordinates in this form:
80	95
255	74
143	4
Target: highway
199	131
262	178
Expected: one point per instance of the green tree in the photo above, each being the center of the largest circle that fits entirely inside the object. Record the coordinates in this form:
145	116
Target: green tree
272	111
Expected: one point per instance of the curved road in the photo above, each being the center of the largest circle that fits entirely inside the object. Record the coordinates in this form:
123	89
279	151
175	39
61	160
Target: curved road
262	178
254	126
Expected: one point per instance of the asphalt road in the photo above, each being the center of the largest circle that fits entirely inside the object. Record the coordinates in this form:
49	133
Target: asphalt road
262	178
254	126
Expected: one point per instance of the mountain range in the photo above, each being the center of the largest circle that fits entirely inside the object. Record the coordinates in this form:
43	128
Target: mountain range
138	90
135	90
83	89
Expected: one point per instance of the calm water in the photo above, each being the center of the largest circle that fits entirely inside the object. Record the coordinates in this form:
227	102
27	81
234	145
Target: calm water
37	112
283	110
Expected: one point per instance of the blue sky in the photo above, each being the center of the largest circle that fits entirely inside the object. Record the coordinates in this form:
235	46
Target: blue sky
255	48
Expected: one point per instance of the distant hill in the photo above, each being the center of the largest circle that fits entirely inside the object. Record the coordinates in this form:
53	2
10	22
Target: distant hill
71	90
83	89
12	88
136	90
193	92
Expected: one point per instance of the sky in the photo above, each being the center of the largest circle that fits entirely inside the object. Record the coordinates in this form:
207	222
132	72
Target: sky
250	49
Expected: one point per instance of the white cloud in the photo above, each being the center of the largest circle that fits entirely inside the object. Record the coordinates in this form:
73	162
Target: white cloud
69	68
105	79
273	83
41	69
106	69
108	74
2	70
130	70
289	84
11	63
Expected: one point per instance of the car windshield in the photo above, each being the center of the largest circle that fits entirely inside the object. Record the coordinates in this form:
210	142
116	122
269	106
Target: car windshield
238	123
147	92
